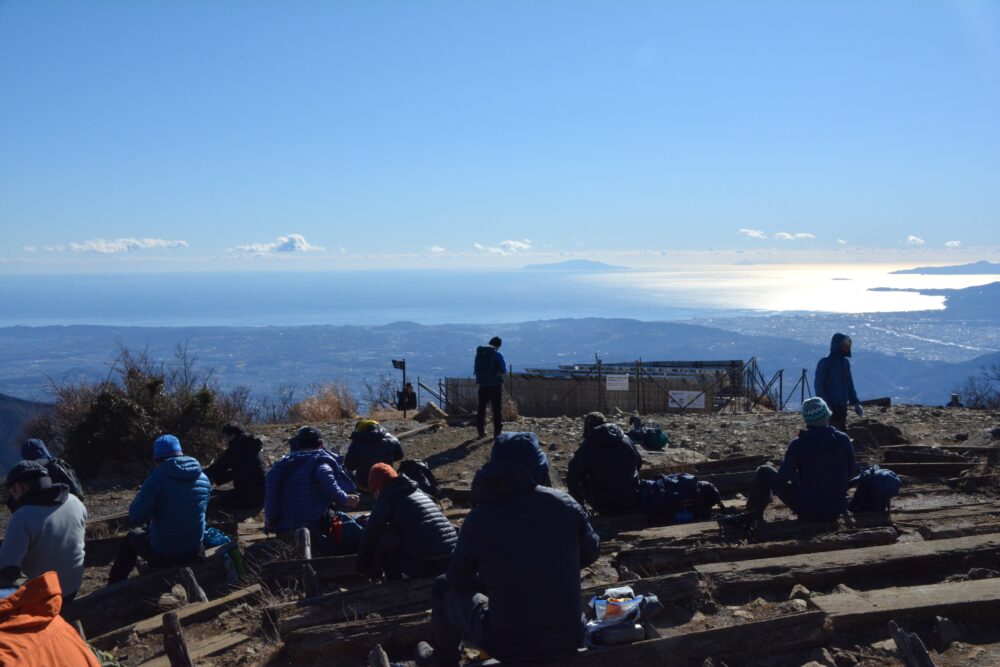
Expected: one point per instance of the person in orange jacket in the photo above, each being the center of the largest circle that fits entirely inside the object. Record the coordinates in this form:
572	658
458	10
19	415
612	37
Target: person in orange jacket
32	633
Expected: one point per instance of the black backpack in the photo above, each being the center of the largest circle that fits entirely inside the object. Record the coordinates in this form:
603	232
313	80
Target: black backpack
63	473
678	498
486	363
420	473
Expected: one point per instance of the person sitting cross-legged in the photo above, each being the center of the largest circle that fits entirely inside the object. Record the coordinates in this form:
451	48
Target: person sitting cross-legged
813	476
242	464
406	533
170	508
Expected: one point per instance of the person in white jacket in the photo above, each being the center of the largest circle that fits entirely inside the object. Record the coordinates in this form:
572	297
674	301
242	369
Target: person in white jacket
47	528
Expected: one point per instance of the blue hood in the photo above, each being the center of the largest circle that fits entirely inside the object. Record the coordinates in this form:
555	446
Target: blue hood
835	343
34	449
524	449
181	468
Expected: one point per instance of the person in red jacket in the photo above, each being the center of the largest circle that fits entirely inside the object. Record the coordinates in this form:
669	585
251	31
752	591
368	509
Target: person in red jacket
33	634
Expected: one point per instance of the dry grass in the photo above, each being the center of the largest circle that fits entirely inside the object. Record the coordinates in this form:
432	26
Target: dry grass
387	414
330	403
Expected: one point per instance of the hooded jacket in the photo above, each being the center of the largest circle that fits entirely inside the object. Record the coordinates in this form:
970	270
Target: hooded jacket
525	546
525	449
495	368
301	486
33	634
45	533
242	464
60	471
604	471
833	382
423	530
821	462
371	446
173	500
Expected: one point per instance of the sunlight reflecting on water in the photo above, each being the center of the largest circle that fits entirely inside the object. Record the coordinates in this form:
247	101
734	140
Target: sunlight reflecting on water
840	288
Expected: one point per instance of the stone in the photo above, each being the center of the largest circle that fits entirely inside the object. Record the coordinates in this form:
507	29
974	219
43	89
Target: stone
841	588
176	598
995	434
844	659
961	437
715	454
822	656
797	605
983	573
887	646
799	592
946	630
430	412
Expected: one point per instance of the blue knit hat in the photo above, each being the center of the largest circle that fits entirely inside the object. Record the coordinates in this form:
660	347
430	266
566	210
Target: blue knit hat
815	410
166	446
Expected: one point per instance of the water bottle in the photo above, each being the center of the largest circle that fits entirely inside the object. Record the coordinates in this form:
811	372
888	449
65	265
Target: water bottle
618	634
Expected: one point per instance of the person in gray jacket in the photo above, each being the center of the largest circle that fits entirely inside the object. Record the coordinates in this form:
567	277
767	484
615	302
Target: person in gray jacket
47	529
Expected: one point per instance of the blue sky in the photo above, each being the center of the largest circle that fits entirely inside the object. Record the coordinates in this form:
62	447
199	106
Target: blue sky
188	135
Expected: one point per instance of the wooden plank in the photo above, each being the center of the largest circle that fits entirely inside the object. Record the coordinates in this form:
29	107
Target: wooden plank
893	456
187	615
827	569
865	609
417	431
931	469
732	464
328	569
661	559
411	596
204	649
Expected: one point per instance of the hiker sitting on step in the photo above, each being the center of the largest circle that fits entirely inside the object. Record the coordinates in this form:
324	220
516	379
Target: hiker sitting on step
172	503
604	471
47	528
32	632
370	444
523	448
59	469
406	533
242	464
304	485
513	584
812	480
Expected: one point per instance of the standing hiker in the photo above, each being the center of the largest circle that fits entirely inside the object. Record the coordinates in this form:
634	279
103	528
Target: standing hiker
834	383
170	510
46	530
813	477
513	584
490	368
242	464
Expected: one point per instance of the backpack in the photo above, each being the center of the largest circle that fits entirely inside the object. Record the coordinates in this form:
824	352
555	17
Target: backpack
420	473
876	488
65	474
486	364
340	533
651	438
677	498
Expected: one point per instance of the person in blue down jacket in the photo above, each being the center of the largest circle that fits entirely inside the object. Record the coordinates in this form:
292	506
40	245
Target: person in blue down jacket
604	471
524	448
406	533
834	383
812	480
172	503
304	484
513	584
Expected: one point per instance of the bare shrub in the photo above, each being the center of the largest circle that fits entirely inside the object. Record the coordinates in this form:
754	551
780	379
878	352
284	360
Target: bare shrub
982	391
330	403
381	393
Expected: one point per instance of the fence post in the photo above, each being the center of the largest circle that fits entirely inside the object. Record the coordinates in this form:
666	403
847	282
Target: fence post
637	364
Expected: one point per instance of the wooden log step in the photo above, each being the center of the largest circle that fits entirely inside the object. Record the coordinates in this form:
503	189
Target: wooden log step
349	643
734	644
867	608
827	569
205	648
974	450
328	569
732	464
198	612
893	456
931	469
411	596
661	559
426	428
108	524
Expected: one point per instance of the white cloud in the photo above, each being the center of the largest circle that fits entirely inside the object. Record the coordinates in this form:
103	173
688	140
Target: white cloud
914	240
293	243
752	233
505	247
29	248
841	241
953	244
436	250
797	236
116	246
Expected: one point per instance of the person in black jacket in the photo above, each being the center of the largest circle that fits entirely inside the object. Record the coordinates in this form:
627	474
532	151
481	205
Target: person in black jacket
406	533
60	472
370	444
604	472
242	464
524	448
513	585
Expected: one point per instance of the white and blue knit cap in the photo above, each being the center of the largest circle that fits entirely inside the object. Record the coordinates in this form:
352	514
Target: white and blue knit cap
815	410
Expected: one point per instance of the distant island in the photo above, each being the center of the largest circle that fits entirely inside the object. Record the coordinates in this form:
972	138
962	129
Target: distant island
982	268
576	265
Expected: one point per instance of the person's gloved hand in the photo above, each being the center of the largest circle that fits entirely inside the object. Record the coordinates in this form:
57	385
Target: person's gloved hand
859	411
352	501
